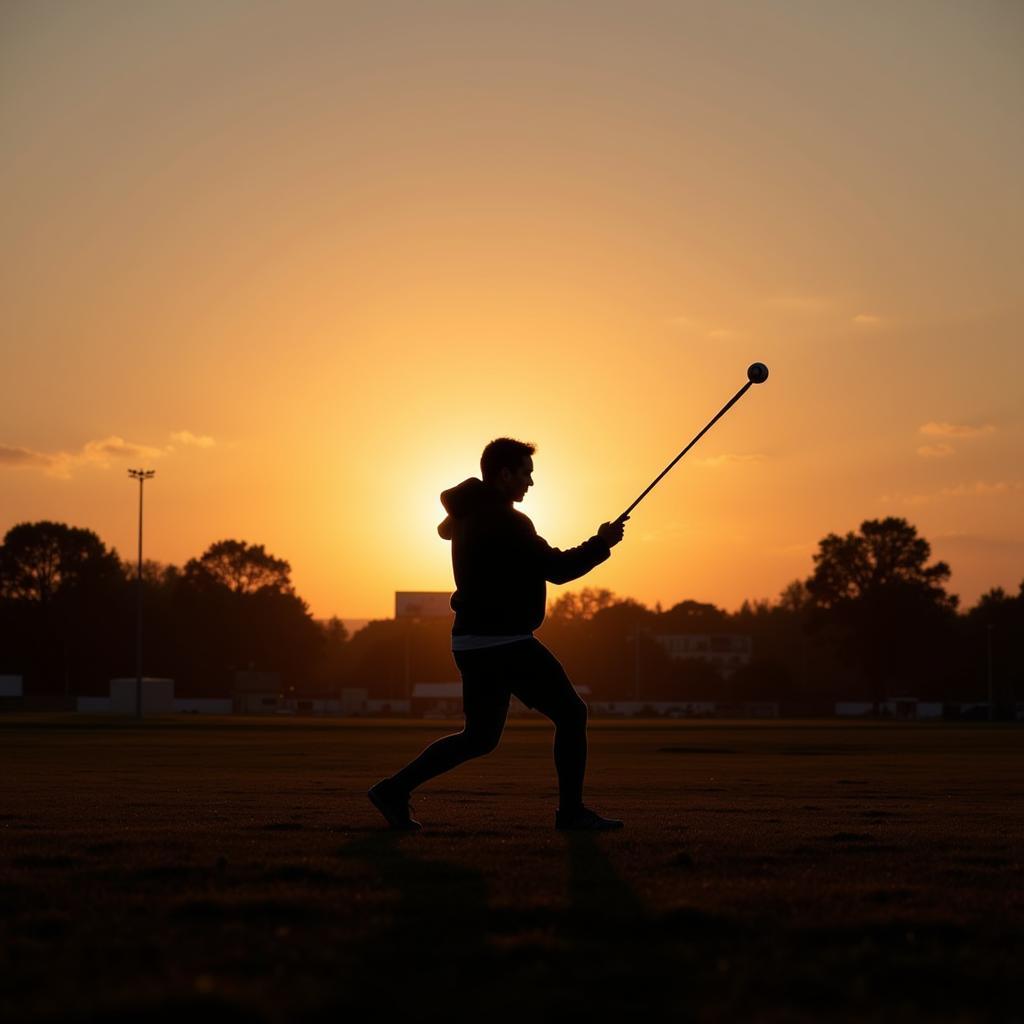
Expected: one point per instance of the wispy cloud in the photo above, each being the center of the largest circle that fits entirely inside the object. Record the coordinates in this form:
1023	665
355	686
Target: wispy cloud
978	542
934	429
186	437
936	451
101	453
24	458
866	320
983	488
973	489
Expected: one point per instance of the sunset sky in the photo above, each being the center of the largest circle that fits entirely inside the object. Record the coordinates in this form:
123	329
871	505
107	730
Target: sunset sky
305	259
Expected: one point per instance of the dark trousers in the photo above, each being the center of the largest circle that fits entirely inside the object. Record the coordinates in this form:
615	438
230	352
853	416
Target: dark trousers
490	676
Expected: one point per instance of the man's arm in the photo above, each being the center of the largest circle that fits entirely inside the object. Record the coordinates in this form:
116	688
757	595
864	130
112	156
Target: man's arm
564	566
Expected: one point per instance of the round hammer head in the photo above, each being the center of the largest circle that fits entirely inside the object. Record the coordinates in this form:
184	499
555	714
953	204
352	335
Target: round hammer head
757	373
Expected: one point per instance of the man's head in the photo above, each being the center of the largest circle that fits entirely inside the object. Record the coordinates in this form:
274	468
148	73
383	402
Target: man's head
507	466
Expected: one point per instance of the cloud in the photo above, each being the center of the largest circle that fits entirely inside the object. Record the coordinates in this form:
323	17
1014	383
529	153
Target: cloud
933	429
727	458
975	489
936	451
19	458
101	453
866	320
186	437
958	538
983	488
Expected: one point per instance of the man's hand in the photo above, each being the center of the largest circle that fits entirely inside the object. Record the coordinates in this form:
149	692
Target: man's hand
611	533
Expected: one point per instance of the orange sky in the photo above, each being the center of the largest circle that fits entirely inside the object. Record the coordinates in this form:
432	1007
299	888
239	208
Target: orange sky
305	260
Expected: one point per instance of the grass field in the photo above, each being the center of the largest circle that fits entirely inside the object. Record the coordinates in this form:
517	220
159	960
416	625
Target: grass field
233	870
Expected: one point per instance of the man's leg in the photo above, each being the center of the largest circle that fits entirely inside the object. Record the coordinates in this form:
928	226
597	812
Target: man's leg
485	705
543	685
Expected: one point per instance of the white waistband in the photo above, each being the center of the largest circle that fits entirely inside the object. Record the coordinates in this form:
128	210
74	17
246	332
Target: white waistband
472	642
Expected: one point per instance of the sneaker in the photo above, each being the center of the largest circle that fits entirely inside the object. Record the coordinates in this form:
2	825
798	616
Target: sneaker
394	806
584	819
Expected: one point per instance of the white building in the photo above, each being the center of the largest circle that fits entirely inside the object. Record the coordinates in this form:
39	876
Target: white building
726	651
157	699
904	708
11	686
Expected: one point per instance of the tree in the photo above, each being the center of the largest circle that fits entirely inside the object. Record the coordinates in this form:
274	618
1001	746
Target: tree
59	584
884	608
40	560
582	606
335	650
794	597
692	617
885	555
242	568
992	640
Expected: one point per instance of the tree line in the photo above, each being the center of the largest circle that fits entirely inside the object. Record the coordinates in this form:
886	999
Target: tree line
873	619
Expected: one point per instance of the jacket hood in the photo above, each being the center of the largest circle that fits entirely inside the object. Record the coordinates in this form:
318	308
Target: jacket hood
463	500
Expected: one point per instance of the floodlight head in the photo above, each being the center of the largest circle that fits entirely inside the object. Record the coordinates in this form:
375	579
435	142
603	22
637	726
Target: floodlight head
757	373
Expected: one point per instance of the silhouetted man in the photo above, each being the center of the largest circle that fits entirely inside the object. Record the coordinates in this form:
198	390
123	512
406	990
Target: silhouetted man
501	567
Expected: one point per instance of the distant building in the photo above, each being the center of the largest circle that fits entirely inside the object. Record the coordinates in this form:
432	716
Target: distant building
11	686
413	606
157	696
437	700
157	699
904	708
423	604
353	701
256	693
726	651
12	693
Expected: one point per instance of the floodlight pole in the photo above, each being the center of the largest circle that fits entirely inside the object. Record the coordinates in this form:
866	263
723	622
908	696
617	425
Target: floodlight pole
991	689
142	475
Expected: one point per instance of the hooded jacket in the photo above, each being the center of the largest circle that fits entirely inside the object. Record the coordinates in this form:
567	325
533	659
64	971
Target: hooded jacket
501	566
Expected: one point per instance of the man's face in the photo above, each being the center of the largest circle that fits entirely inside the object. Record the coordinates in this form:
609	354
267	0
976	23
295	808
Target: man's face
517	482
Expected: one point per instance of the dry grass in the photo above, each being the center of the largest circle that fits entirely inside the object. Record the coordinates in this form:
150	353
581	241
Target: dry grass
234	870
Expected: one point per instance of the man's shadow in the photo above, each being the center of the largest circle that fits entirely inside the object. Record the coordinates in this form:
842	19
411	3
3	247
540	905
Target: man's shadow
432	952
421	946
627	954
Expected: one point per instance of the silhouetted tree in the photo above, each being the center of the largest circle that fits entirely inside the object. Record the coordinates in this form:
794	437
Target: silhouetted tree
878	601
994	628
693	617
334	660
887	553
242	568
58	583
582	605
39	561
239	610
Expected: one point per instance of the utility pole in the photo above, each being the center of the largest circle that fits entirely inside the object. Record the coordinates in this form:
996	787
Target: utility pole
142	475
991	691
636	662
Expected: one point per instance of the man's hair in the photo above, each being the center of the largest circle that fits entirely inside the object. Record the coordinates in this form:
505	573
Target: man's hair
501	453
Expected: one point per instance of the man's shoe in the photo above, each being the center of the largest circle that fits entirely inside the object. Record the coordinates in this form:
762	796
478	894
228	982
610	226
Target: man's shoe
394	806
584	819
